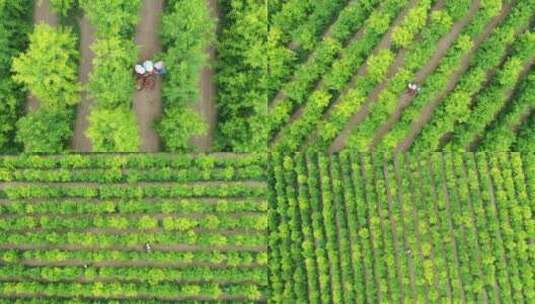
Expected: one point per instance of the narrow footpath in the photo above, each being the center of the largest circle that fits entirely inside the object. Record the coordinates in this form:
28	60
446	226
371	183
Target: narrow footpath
206	105
42	13
80	142
147	103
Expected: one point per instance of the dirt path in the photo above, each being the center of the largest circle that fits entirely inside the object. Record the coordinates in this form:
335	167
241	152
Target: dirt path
427	111
206	105
147	103
42	13
80	142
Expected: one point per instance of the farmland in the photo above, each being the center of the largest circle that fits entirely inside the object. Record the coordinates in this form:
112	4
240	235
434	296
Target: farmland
419	228
77	227
67	76
340	70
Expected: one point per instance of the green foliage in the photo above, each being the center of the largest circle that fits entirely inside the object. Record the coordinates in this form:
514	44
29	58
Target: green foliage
178	125
187	31
45	130
49	67
111	83
15	23
112	18
207	246
113	130
63	6
340	227
241	77
378	64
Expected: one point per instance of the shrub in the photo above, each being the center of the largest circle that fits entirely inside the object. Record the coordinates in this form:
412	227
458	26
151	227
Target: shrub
49	67
186	32
111	83
113	130
112	18
178	125
62	6
44	130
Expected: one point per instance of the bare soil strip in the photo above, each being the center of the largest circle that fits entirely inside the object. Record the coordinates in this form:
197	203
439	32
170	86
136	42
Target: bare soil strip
429	108
80	142
42	13
206	105
147	103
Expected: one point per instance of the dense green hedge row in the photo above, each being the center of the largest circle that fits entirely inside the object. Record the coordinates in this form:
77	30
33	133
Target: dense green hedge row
187	30
525	135
348	101
297	27
436	82
352	19
15	24
49	71
242	76
131	161
419	51
112	123
501	135
417	228
85	221
494	97
456	106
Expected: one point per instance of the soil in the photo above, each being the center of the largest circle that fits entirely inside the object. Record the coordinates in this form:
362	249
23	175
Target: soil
207	102
147	103
42	13
80	142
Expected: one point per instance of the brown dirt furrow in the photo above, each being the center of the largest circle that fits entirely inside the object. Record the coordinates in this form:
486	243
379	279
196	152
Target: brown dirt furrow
80	142
138	297
42	13
427	112
134	264
139	248
206	105
147	103
404	237
394	224
450	221
342	137
119	280
442	47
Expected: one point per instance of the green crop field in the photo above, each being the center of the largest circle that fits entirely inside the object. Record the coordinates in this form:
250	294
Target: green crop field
77	227
267	151
340	70
422	228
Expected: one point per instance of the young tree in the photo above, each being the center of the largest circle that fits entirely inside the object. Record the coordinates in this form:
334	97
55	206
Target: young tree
49	67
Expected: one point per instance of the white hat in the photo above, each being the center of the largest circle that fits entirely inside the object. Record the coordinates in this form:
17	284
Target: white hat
149	66
139	69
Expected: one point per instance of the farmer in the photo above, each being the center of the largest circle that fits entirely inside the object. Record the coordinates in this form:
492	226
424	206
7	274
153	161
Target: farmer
140	74
149	67
159	66
148	248
413	88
